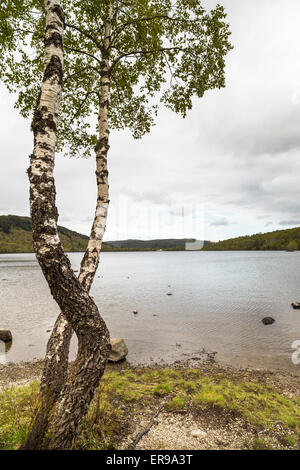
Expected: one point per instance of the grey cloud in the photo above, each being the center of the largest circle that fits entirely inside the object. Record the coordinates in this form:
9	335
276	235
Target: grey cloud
221	222
286	223
237	152
272	131
155	197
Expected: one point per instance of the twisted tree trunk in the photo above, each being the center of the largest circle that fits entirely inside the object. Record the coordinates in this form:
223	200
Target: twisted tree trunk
79	311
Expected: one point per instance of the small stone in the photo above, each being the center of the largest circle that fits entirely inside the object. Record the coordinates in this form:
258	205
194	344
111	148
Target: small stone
135	312
295	305
169	293
268	321
220	442
198	434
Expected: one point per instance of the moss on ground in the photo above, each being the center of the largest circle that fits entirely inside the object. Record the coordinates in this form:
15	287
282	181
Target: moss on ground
125	392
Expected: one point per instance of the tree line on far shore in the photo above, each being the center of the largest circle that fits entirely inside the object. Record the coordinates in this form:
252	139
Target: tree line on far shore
288	239
16	237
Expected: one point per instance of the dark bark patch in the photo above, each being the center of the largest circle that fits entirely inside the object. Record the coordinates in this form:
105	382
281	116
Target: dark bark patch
104	104
40	123
102	176
55	39
60	13
45	146
53	68
103	142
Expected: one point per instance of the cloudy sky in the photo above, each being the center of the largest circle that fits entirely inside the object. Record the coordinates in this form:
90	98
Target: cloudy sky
231	168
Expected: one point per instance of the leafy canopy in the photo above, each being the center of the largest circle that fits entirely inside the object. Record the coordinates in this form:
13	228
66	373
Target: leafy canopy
161	51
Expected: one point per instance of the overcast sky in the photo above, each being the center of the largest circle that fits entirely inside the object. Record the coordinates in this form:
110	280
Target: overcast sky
231	168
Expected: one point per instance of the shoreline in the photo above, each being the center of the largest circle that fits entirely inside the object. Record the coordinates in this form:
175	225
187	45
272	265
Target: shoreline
23	372
191	405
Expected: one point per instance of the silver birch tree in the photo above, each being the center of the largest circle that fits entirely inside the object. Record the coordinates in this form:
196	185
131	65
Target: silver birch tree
122	60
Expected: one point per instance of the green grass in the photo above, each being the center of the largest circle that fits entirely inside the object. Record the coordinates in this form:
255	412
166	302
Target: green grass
16	407
261	444
177	404
125	392
288	440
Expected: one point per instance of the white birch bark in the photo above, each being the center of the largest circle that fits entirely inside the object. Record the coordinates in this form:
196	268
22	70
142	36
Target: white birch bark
58	346
78	307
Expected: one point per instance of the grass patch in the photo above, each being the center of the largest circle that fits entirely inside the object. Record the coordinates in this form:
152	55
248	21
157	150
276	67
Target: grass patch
16	408
176	404
261	444
125	392
162	389
288	440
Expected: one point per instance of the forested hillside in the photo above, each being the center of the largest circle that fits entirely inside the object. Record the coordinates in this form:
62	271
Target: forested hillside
16	237
169	244
278	240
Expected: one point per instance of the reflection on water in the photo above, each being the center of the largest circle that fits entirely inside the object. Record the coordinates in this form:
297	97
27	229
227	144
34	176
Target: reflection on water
4	348
7	346
218	302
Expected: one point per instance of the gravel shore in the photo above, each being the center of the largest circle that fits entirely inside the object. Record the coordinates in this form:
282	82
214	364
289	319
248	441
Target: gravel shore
22	373
210	428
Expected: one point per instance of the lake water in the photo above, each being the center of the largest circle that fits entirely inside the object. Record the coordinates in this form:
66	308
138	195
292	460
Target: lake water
218	302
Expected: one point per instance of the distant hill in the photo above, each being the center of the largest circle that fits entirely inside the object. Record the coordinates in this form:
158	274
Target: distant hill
173	244
16	237
288	239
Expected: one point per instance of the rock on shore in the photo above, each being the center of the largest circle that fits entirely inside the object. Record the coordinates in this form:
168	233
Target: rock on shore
5	336
118	351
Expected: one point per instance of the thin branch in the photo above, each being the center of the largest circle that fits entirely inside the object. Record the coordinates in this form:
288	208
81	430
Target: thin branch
150	18
125	12
151	51
146	429
96	19
24	31
82	104
83	52
117	89
69	77
154	17
116	12
84	33
170	69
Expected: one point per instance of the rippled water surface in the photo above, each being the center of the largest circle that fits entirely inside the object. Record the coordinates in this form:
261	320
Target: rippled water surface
218	301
